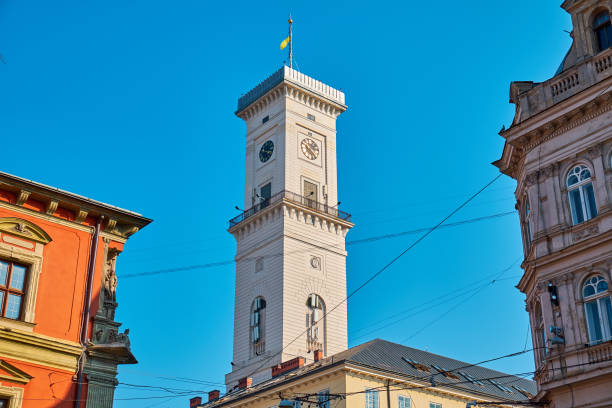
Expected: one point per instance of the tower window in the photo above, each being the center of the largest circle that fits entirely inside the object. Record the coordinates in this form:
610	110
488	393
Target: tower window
257	325
265	192
581	194
603	30
265	119
311	195
315	323
310	117
598	309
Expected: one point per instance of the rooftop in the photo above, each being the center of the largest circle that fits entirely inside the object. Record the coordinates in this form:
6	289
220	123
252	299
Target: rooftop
413	364
286	74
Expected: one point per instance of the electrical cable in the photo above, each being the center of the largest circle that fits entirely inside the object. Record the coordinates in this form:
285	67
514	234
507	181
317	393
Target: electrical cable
380	271
348	243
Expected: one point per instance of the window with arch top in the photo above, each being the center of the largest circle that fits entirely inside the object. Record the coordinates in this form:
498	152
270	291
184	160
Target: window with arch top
581	194
315	323
603	30
597	309
257	323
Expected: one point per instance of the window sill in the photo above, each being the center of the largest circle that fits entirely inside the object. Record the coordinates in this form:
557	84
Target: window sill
16	324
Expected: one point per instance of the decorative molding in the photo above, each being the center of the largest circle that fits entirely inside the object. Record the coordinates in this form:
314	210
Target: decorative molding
51	207
24	229
585	232
111	224
13	374
22	197
81	214
14	396
37	349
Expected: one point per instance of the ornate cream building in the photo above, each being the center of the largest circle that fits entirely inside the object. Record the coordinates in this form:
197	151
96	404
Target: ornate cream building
559	149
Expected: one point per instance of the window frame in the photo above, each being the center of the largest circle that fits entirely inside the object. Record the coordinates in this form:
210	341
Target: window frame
402	404
604	28
259	325
435	404
540	334
374	402
7	290
597	298
581	187
323	403
33	260
527	222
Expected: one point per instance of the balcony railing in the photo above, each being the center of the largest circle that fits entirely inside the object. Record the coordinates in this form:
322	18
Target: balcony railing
294	198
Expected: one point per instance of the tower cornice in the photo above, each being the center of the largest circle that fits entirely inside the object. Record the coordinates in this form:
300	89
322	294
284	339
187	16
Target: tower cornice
290	83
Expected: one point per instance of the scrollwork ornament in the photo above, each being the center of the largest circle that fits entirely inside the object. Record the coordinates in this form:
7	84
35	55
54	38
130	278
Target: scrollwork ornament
531	179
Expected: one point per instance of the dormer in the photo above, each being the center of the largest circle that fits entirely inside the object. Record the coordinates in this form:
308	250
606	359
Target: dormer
592	30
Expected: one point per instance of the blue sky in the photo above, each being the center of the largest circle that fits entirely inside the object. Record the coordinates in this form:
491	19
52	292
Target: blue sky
132	103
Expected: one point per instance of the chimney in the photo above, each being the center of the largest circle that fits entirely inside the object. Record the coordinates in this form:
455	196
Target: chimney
245	382
195	402
318	355
213	395
287	366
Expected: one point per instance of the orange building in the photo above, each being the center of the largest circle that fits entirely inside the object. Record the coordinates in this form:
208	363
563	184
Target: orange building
59	342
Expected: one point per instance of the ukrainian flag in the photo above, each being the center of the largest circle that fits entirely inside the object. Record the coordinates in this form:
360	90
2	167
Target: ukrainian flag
285	42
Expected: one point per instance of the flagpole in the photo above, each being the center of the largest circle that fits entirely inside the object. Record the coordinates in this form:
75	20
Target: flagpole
290	43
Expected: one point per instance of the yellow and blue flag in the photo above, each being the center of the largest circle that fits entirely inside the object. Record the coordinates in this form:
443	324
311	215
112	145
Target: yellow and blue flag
285	42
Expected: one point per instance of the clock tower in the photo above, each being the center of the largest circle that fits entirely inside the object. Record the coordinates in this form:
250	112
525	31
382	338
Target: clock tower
291	256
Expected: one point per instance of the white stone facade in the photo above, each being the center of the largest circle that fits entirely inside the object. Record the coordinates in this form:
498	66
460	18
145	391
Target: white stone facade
291	244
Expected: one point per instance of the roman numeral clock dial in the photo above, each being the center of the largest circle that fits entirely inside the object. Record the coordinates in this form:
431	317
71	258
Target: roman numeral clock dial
310	148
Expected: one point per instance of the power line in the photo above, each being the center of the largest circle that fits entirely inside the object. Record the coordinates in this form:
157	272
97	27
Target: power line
383	269
348	243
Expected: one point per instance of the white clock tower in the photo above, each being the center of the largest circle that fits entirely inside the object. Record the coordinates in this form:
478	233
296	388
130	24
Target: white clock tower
291	257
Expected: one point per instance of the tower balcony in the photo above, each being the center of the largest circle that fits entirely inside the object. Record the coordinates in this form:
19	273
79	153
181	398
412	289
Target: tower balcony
291	198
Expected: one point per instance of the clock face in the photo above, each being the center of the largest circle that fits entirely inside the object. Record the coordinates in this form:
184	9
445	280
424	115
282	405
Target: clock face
266	151
310	148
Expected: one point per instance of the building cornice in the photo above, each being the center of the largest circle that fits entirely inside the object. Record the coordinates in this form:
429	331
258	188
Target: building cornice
38	349
119	223
557	120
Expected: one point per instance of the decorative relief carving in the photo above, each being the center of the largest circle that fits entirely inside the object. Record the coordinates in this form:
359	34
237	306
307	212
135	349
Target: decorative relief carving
110	277
585	232
315	262
24	229
23	197
531	179
81	215
51	207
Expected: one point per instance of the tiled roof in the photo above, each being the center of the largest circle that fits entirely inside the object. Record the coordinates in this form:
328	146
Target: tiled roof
405	361
393	357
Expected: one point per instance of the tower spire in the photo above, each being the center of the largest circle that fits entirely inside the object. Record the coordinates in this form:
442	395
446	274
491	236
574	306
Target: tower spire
290	42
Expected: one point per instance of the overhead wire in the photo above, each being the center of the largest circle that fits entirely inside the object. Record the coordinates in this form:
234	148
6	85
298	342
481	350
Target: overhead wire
380	271
348	243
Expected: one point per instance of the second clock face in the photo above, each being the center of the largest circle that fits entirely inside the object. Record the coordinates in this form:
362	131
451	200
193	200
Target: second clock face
266	151
310	148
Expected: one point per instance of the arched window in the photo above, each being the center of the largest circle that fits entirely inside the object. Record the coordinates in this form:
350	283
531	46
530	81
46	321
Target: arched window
597	309
541	346
527	221
603	30
581	194
257	325
315	323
